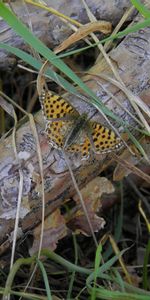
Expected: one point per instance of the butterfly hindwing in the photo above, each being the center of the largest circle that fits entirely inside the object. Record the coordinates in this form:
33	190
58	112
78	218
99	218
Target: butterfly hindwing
82	148
68	130
103	139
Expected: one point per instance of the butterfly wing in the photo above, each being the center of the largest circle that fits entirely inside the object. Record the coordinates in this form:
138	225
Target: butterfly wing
103	140
83	148
55	107
53	131
59	115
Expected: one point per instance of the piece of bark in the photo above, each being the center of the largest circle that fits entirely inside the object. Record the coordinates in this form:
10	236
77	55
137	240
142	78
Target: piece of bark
50	28
134	69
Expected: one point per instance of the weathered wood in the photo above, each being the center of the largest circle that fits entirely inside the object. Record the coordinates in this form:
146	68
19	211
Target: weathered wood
132	61
50	28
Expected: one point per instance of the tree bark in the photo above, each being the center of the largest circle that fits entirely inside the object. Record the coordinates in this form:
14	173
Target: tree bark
50	28
132	61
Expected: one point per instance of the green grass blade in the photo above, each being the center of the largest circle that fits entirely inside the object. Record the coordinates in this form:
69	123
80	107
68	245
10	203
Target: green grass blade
104	268
37	65
45	278
146	284
117	227
98	259
119	219
102	293
120	34
141	8
38	46
74	272
54	76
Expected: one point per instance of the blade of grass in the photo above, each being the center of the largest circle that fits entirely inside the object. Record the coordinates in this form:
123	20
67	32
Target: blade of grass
45	278
104	268
145	280
98	259
37	65
118	227
57	78
141	8
119	220
102	293
74	272
138	145
120	34
36	44
23	31
30	260
119	279
13	271
29	296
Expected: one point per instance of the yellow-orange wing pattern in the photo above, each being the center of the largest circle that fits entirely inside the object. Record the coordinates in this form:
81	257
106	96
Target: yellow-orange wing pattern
61	118
104	140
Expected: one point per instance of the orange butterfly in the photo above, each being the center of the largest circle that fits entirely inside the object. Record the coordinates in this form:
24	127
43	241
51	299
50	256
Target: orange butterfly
68	130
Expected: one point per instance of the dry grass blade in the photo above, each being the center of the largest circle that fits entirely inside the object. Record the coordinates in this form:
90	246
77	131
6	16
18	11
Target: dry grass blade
40	84
81	198
100	46
117	252
124	18
118	102
134	100
7	108
11	111
53	11
144	216
133	169
34	131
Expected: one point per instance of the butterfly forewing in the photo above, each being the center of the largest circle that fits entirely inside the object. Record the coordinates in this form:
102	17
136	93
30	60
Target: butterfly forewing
55	107
59	115
65	131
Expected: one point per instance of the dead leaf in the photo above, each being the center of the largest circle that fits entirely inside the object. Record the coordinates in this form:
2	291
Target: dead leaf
92	198
83	31
54	230
94	190
79	224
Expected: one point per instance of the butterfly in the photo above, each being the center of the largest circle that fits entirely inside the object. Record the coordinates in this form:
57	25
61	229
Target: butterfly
71	131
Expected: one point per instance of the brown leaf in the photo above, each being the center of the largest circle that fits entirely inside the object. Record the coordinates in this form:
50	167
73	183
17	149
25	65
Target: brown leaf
92	199
83	31
93	191
54	229
79	224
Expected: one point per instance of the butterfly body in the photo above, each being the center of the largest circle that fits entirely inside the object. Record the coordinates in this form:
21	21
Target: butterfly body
73	132
76	130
